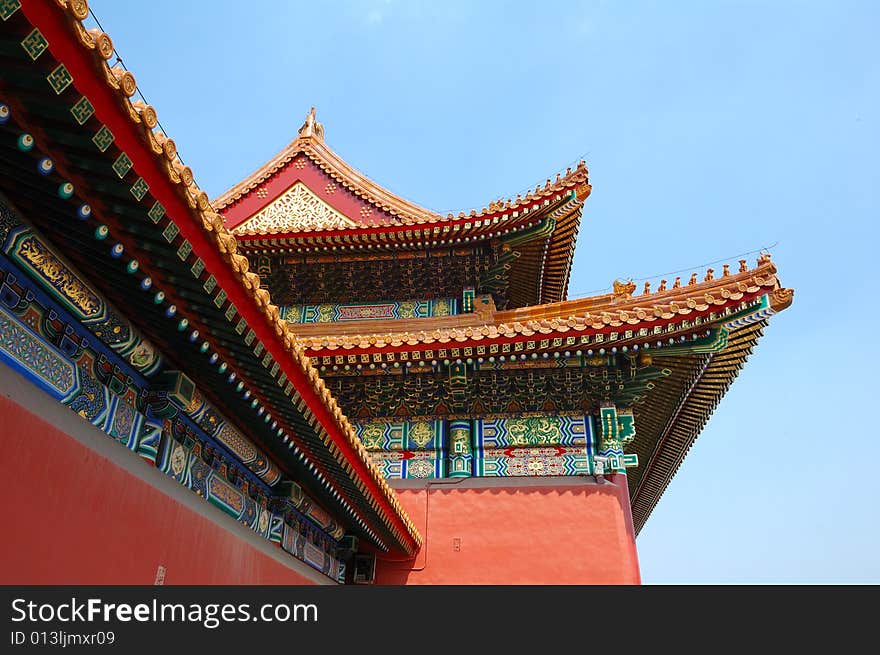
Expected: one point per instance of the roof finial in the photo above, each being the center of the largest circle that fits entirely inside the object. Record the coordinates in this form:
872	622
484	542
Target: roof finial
624	289
312	128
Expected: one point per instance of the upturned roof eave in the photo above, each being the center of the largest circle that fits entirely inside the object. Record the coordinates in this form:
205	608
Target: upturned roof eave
407	214
600	311
154	155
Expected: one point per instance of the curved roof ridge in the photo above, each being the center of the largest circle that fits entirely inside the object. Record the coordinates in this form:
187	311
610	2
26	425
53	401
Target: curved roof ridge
602	310
256	178
123	85
310	142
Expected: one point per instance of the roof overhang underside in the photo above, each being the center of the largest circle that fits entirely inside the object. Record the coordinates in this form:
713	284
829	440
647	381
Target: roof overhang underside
670	411
538	230
123	179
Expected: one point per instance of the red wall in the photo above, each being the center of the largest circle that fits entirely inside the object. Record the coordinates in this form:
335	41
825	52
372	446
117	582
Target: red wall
72	516
551	534
75	517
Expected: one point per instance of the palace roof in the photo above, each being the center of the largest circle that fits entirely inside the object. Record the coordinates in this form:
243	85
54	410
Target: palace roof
697	335
223	329
173	265
603	312
397	211
308	199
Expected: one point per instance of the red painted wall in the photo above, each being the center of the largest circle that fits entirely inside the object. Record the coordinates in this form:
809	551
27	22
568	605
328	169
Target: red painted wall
75	517
72	516
49	18
552	534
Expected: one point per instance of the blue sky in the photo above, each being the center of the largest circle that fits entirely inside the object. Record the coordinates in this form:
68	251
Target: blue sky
710	129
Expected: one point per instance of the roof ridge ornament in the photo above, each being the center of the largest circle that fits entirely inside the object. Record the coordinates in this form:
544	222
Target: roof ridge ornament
311	128
624	288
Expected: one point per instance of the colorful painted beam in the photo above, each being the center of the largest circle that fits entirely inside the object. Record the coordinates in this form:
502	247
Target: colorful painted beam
41	338
332	313
170	185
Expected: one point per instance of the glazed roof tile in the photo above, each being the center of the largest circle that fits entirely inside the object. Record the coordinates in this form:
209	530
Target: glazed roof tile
123	83
592	313
676	407
310	143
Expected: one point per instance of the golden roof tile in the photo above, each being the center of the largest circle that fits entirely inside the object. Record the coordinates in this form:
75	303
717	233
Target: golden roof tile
596	312
310	143
124	84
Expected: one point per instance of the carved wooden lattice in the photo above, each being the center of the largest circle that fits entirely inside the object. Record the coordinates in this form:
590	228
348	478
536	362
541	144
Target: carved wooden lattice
295	210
